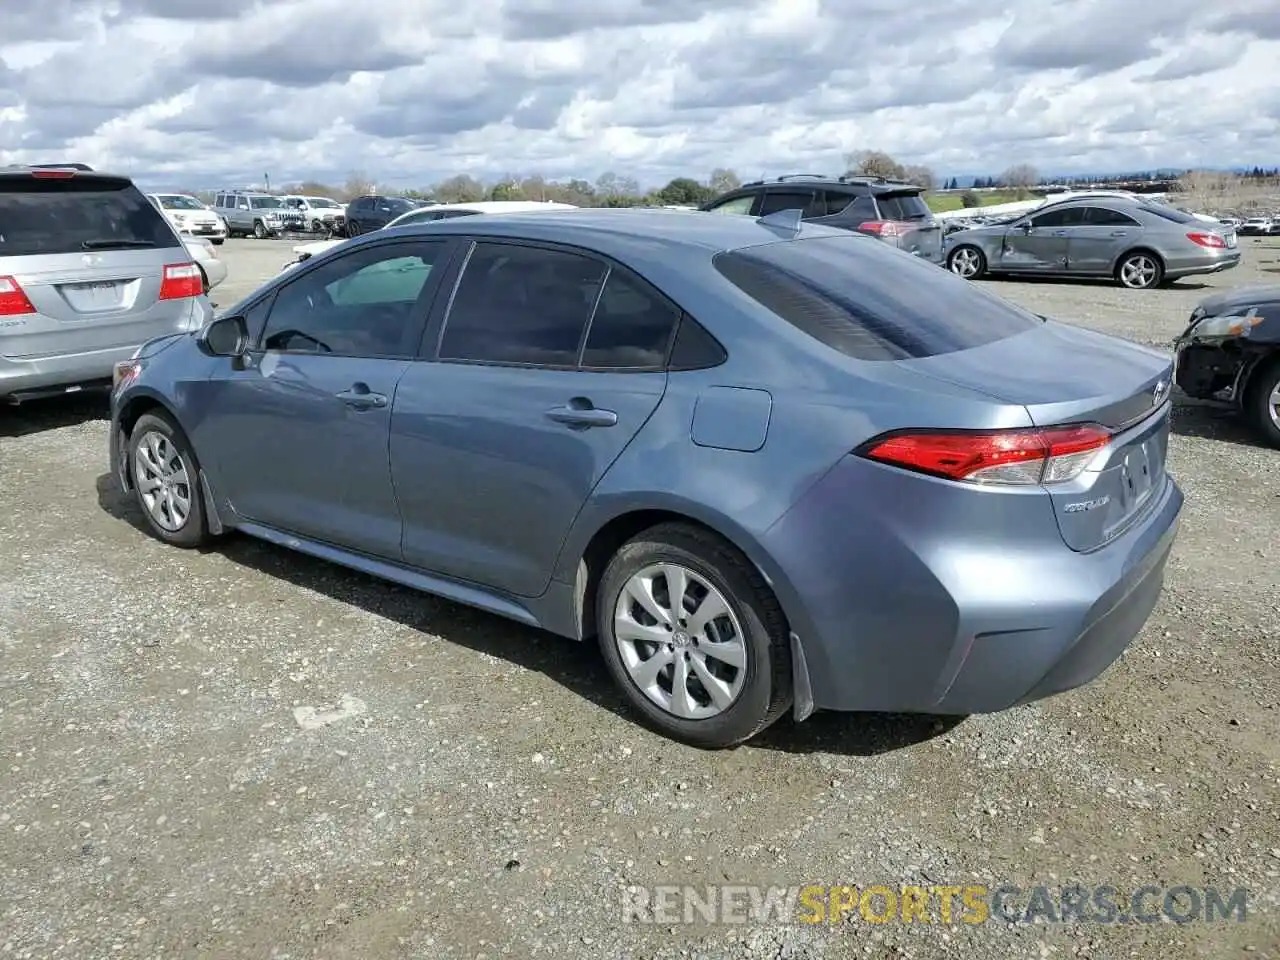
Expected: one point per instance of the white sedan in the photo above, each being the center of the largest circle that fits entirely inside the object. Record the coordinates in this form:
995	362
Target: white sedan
439	211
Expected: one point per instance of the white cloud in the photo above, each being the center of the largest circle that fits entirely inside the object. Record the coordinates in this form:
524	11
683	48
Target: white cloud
187	93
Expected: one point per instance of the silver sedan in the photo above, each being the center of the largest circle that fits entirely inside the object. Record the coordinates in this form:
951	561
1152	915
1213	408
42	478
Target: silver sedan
1141	244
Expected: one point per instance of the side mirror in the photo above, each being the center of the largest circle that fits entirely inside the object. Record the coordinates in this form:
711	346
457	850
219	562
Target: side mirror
225	337
1026	227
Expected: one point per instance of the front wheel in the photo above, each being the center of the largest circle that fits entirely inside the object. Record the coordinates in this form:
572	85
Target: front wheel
219	241
968	262
1262	401
694	637
166	481
1140	271
259	231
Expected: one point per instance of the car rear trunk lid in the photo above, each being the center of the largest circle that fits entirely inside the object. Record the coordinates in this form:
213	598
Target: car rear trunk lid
1064	374
916	230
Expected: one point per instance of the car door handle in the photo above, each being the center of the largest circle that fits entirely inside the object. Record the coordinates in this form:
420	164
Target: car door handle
1119	233
579	412
360	397
1059	233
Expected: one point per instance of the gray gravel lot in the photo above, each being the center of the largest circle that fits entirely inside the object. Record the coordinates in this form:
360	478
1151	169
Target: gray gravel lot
488	796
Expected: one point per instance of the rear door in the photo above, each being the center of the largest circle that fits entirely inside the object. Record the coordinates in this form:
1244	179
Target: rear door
90	253
548	364
919	233
1094	245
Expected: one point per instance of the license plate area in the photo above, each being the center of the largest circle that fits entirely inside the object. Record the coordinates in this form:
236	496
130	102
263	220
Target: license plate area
94	296
1231	241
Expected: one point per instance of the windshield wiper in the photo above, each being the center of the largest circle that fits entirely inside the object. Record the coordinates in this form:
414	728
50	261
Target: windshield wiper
117	244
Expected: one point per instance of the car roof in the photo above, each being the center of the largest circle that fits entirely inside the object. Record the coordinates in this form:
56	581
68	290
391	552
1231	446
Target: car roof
501	206
882	184
612	230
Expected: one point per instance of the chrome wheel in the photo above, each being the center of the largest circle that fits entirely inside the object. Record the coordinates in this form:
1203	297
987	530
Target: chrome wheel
163	481
680	641
1139	272
966	262
1273	405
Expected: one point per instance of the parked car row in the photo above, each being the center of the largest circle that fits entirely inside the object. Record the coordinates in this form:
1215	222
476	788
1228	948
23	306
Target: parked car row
1261	226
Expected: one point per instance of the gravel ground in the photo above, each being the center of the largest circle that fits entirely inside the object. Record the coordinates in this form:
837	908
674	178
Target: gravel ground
482	792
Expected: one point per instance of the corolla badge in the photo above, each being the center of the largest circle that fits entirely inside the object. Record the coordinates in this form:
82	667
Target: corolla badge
1159	392
1081	506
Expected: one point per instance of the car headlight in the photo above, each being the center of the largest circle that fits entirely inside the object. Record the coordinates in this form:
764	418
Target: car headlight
1231	325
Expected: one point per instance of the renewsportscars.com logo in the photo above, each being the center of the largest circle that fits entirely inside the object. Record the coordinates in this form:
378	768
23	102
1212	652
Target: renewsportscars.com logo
943	904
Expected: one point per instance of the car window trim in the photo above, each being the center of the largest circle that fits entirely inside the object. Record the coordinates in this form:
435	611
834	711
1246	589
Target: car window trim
422	306
434	335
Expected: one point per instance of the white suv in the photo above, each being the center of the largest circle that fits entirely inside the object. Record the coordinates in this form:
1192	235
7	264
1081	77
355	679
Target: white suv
322	214
189	215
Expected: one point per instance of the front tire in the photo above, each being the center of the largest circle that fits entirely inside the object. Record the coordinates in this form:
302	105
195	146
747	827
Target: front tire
1140	270
1262	401
166	481
219	241
694	637
259	230
967	261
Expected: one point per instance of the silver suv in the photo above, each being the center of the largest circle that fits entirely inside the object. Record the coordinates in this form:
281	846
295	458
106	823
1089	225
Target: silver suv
258	214
89	270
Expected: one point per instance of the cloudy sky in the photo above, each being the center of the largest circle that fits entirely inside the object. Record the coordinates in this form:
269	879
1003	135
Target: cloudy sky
199	93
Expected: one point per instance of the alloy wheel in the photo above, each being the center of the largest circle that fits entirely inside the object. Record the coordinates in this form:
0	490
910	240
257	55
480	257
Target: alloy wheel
1273	405
163	481
680	641
1139	272
966	262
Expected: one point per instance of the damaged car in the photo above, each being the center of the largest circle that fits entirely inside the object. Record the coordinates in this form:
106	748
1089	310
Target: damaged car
1230	353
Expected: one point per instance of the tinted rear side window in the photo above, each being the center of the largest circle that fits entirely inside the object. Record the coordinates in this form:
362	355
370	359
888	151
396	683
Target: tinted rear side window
902	206
869	301
1168	213
71	216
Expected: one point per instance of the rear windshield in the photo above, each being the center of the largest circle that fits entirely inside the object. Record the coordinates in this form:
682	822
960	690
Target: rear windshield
869	301
1169	213
902	206
71	216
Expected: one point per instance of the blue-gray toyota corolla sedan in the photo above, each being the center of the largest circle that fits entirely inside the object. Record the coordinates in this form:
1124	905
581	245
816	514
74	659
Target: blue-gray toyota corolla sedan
765	464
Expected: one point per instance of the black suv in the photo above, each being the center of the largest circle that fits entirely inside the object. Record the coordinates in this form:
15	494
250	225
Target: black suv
892	210
375	212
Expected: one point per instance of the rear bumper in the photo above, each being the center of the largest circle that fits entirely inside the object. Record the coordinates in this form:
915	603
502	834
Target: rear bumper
961	602
47	376
1199	266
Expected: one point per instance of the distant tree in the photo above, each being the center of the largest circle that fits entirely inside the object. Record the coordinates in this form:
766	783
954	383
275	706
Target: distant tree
460	189
357	185
723	180
507	189
612	186
684	191
1021	177
970	199
920	176
874	163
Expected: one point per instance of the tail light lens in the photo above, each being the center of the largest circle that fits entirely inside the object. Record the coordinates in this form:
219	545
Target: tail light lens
1207	240
181	280
1019	457
53	174
13	300
884	228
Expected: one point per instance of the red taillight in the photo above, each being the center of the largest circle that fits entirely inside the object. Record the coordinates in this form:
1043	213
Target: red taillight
13	300
53	174
884	228
1048	455
181	280
1207	240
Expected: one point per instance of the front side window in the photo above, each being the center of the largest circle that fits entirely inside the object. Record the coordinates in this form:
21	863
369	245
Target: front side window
735	205
521	304
364	304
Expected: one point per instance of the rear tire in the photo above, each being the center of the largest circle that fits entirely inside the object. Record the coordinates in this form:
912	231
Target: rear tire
1262	400
751	693
219	242
165	475
1140	270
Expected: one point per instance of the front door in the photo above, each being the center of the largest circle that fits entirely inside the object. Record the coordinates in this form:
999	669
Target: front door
1039	243
299	431
1097	243
548	364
